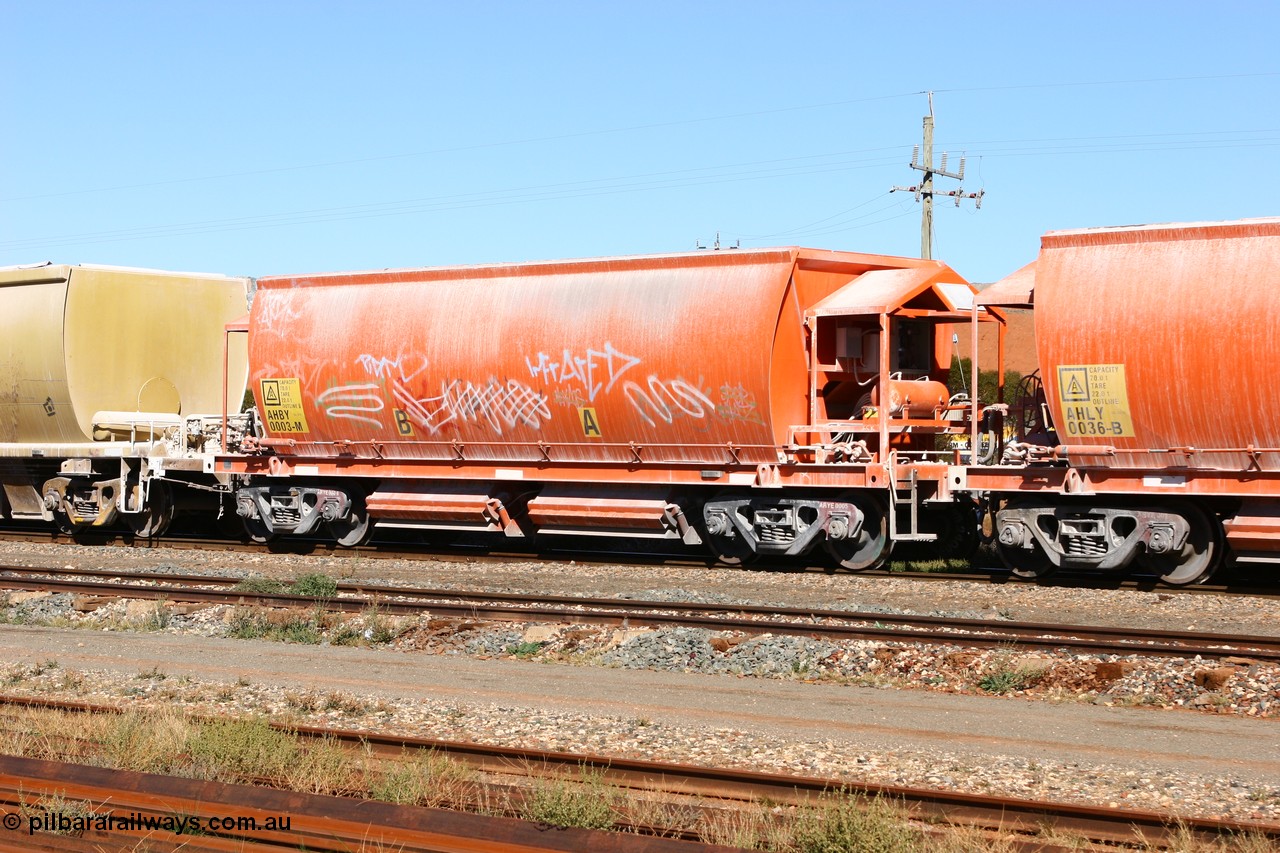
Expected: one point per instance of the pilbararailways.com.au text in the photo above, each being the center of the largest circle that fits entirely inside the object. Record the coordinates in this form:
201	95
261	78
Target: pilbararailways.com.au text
35	822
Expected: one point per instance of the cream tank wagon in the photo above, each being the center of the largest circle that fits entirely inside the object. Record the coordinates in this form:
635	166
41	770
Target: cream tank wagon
108	407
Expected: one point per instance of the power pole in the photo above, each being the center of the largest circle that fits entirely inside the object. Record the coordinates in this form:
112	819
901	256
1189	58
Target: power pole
924	190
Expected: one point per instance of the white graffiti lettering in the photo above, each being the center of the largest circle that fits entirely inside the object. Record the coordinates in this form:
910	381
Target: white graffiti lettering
381	366
663	400
275	310
353	402
594	370
500	405
305	369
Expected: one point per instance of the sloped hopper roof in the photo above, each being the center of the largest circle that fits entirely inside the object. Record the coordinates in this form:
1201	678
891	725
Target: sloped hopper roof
1016	290
883	291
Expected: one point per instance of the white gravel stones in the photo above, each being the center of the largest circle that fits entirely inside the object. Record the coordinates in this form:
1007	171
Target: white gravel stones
1250	689
1165	788
1242	687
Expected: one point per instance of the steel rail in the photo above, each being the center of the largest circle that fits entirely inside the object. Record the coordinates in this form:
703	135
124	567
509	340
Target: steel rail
834	624
386	549
1027	817
910	620
317	822
391	550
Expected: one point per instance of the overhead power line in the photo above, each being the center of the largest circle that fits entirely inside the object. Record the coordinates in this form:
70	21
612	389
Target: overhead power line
615	130
776	168
552	192
472	147
1129	82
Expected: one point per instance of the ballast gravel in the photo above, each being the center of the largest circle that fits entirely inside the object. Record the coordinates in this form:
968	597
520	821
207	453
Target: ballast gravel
1236	687
1161	788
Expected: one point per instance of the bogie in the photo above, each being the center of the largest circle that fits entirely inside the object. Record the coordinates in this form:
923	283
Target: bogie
1180	541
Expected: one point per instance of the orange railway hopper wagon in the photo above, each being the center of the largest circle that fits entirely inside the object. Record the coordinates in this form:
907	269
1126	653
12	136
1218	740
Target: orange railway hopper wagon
1159	346
758	402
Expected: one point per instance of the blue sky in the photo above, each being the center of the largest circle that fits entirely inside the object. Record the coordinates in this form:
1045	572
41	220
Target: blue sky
288	137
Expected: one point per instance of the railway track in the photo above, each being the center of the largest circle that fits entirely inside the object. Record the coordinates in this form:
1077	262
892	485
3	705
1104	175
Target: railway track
1031	823
126	810
748	619
1245	581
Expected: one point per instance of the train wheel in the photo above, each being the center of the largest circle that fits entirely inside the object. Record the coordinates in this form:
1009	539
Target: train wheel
730	552
727	543
66	526
871	547
1027	564
256	530
1199	557
354	529
156	516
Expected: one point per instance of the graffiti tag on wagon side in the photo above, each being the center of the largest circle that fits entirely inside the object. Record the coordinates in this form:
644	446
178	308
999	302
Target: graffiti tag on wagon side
596	370
305	369
500	405
662	400
358	402
381	366
738	404
572	399
275	311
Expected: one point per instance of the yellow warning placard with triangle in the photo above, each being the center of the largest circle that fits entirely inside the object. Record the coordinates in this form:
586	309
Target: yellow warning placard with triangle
1075	386
1094	400
282	406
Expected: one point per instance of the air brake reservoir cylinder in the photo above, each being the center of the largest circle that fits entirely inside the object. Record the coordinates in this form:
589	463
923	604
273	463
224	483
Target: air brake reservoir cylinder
913	398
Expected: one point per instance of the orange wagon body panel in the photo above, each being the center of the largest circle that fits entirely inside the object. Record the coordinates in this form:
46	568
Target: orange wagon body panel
1163	341
665	359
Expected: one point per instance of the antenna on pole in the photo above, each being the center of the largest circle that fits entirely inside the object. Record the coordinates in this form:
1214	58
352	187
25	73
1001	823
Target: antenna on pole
924	190
715	246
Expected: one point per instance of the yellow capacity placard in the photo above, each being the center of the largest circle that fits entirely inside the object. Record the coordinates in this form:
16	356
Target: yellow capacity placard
1095	401
282	405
